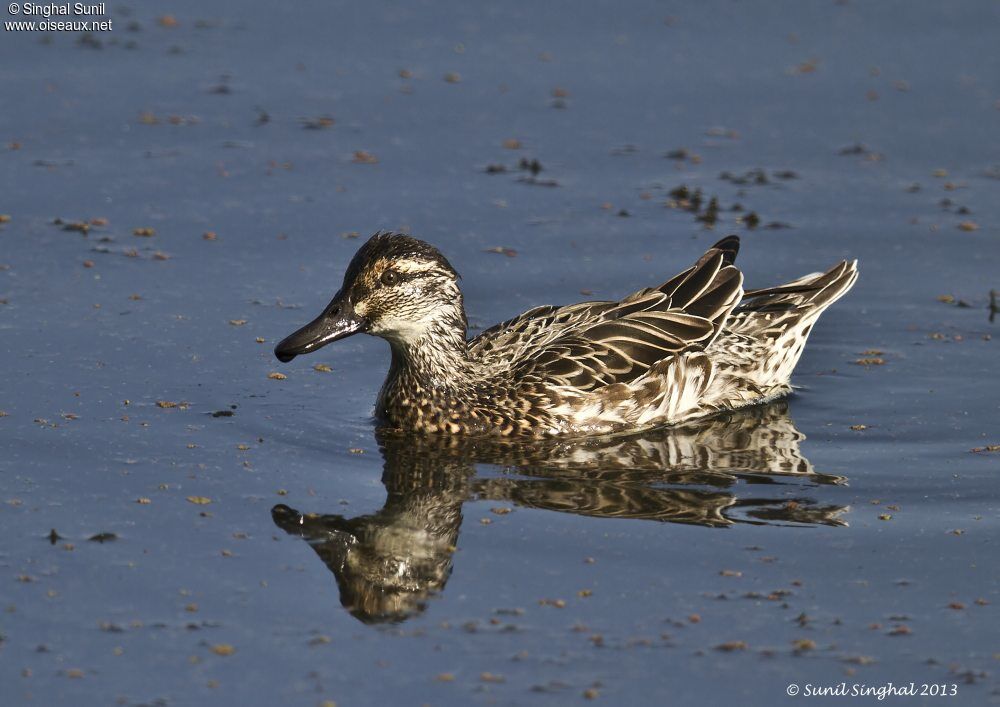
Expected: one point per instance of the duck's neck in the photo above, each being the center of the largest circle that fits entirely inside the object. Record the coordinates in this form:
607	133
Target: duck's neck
437	360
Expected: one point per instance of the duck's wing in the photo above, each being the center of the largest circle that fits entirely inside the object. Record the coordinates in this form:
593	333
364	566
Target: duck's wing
531	331
536	328
619	341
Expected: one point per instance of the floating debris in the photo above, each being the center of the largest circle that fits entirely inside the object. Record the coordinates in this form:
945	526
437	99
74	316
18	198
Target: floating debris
538	182
222	88
802	645
860	660
321	122
720	131
533	166
77	226
364	157
731	646
680	193
808	66
754	176
870	361
860	149
500	250
711	213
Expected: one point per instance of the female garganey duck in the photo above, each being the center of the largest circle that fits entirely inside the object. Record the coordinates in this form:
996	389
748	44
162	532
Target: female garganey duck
693	346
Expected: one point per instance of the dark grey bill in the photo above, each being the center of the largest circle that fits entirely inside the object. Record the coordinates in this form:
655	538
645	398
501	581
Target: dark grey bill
338	321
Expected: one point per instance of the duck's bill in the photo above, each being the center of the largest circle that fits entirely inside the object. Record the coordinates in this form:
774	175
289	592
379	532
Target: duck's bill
336	322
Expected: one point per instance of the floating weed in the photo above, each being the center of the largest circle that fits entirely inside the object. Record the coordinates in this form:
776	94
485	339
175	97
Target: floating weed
364	157
732	646
500	250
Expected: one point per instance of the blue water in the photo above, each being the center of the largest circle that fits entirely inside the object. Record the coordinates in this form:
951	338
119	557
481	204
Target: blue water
612	572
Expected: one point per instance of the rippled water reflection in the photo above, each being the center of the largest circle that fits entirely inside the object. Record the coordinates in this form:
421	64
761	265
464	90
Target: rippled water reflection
713	473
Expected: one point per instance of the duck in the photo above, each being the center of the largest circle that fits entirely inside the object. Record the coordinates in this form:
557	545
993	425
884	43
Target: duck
695	346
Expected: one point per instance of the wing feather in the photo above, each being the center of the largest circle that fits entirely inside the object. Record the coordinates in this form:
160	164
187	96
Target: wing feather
594	344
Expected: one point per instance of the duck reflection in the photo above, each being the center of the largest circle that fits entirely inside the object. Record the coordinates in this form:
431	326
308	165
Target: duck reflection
735	469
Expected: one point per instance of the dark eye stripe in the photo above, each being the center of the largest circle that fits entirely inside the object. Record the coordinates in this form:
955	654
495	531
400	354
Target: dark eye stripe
406	276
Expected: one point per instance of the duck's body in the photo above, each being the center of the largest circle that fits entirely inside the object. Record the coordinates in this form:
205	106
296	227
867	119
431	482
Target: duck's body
694	346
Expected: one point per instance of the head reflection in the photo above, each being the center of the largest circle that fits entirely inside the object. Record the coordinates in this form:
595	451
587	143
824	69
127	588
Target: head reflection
716	473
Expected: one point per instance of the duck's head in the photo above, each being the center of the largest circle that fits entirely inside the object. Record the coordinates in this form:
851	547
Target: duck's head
396	287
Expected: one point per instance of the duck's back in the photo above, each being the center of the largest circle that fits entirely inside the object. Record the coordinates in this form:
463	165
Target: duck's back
683	350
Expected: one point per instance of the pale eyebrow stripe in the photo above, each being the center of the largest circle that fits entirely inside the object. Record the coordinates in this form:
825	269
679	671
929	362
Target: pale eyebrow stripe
411	267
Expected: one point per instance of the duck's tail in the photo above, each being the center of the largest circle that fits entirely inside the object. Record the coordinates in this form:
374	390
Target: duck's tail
806	297
766	333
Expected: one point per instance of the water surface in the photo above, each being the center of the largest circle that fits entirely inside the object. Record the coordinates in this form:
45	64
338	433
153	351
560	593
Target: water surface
181	528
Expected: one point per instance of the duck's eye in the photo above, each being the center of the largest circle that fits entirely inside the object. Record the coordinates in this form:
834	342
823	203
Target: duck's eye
390	278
